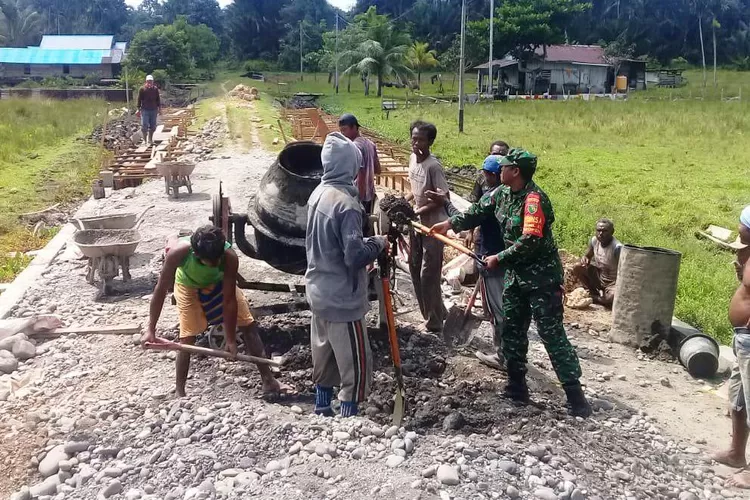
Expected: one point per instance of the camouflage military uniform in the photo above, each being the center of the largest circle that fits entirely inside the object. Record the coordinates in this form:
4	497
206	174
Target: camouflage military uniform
533	276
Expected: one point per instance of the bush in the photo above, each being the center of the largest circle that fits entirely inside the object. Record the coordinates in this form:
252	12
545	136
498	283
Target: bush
92	79
679	63
259	65
161	77
57	82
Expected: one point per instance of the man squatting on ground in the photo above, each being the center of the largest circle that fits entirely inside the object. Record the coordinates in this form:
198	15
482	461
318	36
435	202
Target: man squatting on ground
149	106
370	166
490	243
203	271
337	255
597	270
533	276
739	381
426	253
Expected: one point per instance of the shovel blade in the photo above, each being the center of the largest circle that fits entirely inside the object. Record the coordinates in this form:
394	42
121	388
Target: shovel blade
398	407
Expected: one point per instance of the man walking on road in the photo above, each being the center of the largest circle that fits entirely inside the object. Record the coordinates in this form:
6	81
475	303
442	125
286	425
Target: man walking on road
370	167
426	254
533	276
149	107
739	381
337	256
203	271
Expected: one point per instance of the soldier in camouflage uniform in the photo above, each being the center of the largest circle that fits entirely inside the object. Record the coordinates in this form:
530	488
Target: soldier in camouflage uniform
533	277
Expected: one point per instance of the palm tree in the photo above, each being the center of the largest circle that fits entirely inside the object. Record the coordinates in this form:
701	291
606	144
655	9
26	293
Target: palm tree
19	24
419	58
382	53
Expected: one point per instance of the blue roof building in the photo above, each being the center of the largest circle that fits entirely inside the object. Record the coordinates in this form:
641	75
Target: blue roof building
76	56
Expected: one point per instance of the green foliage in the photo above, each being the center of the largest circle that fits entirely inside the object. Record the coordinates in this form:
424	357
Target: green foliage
524	25
420	58
383	51
161	77
57	82
259	66
91	79
60	169
181	49
20	24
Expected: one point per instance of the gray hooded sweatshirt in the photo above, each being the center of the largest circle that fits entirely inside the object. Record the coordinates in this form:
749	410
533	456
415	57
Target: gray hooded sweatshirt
337	254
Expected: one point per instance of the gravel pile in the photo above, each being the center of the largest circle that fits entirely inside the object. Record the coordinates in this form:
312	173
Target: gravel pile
200	147
119	134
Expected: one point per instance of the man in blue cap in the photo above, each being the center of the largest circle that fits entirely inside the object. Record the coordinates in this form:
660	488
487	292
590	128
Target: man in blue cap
491	244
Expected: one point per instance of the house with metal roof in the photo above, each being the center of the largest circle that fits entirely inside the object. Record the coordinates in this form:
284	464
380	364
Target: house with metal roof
561	69
75	56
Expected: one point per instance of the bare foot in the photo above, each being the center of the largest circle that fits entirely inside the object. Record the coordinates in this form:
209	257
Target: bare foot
273	386
730	458
740	480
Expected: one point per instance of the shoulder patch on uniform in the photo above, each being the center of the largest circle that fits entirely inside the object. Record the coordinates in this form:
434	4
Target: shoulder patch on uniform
533	216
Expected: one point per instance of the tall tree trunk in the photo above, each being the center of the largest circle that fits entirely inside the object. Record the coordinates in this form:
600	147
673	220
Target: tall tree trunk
330	77
367	85
419	78
380	84
349	84
703	49
713	34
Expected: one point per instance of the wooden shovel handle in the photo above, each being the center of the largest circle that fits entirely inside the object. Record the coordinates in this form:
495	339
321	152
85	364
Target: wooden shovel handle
448	241
216	353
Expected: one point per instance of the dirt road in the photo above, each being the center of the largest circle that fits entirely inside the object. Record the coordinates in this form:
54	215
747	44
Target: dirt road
97	417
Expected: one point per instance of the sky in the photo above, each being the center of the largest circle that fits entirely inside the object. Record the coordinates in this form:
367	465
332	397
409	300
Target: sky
341	4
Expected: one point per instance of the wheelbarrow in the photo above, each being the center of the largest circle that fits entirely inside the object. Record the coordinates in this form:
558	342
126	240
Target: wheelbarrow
124	220
108	251
176	175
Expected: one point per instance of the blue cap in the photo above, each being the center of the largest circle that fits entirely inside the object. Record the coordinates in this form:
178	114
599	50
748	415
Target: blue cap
492	164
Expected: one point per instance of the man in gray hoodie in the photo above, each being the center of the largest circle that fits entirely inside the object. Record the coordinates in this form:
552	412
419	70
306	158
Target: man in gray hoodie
337	255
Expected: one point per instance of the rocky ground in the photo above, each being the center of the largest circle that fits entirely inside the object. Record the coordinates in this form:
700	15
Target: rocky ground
94	416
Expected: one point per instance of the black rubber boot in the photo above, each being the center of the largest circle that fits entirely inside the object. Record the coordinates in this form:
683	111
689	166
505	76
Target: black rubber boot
516	389
578	405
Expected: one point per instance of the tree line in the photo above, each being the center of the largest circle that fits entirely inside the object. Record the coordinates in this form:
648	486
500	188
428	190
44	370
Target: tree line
383	37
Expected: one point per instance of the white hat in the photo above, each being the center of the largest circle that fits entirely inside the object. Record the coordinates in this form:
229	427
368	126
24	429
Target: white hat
150	78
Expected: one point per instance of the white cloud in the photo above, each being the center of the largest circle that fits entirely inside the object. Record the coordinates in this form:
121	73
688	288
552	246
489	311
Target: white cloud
341	4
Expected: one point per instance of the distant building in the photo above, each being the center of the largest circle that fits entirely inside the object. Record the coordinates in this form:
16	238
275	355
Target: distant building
568	69
75	56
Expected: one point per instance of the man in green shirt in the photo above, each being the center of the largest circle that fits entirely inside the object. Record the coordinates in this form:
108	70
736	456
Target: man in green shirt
533	276
203	271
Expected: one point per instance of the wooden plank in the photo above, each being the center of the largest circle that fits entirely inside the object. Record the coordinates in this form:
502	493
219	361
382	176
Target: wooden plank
128	329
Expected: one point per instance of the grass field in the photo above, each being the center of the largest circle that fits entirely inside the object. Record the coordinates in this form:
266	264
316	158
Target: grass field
662	165
41	163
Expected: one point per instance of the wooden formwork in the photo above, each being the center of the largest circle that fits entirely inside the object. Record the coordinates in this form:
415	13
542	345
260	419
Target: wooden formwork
311	124
131	166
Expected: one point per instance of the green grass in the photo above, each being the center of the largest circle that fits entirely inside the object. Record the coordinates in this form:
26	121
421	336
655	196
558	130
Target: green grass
240	115
660	169
42	162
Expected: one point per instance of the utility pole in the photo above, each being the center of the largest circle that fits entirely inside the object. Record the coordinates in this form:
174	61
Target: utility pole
300	52
492	20
461	70
337	52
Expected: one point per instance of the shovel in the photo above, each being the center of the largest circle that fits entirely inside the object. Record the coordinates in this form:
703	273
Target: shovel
400	396
460	322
